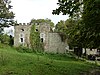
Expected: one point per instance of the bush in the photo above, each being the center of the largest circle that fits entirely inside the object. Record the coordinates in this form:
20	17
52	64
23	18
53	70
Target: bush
23	49
7	40
4	38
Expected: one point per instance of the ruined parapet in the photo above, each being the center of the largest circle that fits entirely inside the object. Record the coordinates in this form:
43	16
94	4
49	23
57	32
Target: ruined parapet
20	23
24	24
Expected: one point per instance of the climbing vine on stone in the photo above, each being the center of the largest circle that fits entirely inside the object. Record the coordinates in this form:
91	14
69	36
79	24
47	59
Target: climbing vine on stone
36	44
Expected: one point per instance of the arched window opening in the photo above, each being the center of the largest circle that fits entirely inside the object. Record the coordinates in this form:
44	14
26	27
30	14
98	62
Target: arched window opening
36	30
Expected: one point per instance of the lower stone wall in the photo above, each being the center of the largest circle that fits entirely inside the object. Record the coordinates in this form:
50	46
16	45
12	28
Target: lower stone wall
54	44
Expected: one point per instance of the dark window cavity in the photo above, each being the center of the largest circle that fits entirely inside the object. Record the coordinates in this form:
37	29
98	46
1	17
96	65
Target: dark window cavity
36	29
41	39
21	39
90	49
22	29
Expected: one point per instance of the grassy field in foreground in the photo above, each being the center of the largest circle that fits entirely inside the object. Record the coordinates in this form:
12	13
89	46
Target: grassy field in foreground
15	63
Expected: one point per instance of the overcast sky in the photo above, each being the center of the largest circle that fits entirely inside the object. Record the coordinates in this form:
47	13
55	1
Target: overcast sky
25	10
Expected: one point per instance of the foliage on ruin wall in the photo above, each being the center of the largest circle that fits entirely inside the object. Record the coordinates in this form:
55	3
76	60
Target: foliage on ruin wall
36	44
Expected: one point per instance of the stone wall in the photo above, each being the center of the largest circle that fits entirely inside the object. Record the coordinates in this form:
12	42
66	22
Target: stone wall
52	41
55	44
22	35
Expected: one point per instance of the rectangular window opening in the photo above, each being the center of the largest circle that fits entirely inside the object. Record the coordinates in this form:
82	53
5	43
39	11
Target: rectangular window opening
41	39
90	49
21	39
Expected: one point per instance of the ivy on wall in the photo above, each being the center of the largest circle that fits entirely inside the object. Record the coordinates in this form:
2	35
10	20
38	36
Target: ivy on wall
35	41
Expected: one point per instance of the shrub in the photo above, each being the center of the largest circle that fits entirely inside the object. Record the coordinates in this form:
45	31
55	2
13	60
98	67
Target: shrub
4	38
23	49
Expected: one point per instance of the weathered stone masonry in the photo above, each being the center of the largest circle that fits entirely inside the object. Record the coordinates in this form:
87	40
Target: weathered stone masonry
21	35
52	41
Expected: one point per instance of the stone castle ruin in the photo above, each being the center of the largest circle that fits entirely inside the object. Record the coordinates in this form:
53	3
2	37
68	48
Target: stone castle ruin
52	41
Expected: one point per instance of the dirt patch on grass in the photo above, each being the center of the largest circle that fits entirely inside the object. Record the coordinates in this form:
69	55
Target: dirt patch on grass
93	72
10	73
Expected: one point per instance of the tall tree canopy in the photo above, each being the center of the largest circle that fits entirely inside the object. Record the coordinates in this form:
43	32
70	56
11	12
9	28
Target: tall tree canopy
70	7
70	29
43	21
91	22
6	16
89	26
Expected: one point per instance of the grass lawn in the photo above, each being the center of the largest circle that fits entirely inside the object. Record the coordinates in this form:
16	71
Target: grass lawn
15	63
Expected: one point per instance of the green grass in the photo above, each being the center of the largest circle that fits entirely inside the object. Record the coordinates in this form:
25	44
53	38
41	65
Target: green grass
15	63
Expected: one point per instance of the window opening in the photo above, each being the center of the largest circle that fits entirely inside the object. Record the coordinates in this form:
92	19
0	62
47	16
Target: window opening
22	29
90	49
21	39
41	39
36	29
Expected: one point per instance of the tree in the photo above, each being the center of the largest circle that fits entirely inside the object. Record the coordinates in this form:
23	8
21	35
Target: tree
43	21
91	20
6	16
70	29
89	25
60	26
70	7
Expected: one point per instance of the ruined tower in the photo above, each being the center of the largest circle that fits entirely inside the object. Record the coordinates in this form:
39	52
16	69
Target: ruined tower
22	35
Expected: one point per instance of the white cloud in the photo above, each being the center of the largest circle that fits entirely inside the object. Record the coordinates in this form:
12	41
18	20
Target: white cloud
25	10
